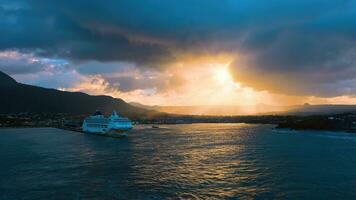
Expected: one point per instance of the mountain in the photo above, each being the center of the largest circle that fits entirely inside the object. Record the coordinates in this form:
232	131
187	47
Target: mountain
259	109
308	109
6	80
215	110
147	107
17	97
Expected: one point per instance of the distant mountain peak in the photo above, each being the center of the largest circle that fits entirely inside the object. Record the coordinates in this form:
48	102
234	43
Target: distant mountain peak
6	80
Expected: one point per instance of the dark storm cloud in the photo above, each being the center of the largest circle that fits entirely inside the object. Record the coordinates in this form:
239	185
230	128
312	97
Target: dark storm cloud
160	83
308	45
97	68
125	77
314	57
58	30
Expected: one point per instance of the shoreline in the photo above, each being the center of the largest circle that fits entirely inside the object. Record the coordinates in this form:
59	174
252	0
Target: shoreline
78	130
276	128
316	130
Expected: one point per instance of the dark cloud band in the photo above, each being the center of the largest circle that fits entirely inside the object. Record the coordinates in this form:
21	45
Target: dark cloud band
297	47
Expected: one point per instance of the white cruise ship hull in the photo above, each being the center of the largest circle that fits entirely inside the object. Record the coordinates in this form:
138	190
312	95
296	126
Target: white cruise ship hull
117	133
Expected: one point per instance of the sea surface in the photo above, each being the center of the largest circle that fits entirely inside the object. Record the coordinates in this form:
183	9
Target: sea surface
198	161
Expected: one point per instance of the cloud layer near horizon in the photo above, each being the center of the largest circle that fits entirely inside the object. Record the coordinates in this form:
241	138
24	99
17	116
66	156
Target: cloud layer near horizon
300	48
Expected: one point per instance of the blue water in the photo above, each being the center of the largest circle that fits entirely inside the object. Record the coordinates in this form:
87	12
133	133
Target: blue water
199	161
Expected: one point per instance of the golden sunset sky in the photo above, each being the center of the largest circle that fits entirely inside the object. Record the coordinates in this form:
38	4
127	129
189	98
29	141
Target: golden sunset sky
173	53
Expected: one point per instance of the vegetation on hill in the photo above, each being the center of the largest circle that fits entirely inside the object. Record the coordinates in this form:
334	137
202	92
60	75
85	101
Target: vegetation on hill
17	97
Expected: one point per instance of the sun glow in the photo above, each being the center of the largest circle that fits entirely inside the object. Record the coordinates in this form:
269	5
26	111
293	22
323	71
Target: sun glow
223	75
207	82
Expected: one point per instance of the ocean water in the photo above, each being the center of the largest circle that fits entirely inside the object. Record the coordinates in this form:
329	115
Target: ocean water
198	161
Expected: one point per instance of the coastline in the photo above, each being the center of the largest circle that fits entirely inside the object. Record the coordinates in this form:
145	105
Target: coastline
316	130
291	125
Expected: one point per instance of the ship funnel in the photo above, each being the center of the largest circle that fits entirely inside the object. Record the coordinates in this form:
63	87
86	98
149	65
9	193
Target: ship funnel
114	114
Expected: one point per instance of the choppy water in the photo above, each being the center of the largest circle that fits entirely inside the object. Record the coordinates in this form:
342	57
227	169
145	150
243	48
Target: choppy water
199	161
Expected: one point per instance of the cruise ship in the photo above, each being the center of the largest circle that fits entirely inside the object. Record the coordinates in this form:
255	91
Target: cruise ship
114	126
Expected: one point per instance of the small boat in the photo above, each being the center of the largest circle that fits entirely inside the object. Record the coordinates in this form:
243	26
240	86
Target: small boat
155	126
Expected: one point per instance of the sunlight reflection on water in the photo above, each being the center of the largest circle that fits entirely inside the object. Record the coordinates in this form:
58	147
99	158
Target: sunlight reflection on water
198	161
